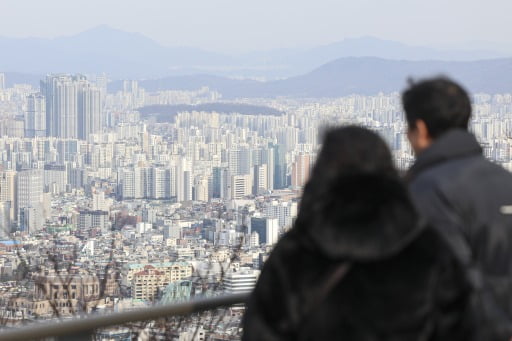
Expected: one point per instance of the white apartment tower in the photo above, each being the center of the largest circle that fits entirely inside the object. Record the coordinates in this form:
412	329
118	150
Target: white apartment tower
73	106
35	116
260	179
184	180
201	188
240	281
30	200
8	192
241	186
89	110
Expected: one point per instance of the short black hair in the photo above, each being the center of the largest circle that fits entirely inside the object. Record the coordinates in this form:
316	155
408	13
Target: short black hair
440	102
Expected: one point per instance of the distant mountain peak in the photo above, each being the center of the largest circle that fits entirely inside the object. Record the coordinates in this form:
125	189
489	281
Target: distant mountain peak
119	53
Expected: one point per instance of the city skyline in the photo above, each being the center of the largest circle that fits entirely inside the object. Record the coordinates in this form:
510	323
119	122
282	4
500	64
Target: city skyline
134	211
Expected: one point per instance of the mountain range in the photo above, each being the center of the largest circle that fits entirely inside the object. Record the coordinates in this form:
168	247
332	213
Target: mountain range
346	76
124	55
364	65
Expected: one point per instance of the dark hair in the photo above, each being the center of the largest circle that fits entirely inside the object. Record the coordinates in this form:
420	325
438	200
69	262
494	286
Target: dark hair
346	151
440	102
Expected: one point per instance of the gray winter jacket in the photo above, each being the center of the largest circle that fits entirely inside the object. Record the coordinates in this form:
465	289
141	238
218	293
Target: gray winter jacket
469	200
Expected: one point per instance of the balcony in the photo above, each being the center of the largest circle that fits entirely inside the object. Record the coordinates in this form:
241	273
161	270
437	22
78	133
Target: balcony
95	327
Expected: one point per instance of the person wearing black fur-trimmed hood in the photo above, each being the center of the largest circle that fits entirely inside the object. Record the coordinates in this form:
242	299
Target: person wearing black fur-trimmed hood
359	264
466	197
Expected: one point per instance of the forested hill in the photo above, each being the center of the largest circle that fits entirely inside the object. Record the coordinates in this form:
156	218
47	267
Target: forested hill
166	113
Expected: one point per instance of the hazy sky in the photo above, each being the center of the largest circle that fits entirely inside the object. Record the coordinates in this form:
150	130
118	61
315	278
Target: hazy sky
241	25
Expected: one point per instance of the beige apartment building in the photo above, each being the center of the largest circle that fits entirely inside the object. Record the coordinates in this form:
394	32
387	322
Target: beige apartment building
146	279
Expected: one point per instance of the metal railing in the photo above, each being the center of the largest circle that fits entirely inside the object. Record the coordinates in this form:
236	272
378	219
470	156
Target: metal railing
82	328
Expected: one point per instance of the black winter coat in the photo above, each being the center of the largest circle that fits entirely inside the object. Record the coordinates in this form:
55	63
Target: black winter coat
469	200
403	283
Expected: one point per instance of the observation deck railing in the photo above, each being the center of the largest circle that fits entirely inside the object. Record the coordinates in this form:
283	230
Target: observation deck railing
84	327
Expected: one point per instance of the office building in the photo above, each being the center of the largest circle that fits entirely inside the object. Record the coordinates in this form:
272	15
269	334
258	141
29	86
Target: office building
88	219
55	178
240	281
266	228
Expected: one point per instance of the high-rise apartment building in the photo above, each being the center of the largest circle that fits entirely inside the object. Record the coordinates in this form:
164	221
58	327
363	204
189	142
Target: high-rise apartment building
5	220
61	94
161	181
99	202
285	212
184	181
2	81
126	183
130	86
73	106
14	128
280	178
201	189
260	179
35	116
239	161
220	182
89	110
145	182
8	192
101	83
268	158
30	200
300	170
241	186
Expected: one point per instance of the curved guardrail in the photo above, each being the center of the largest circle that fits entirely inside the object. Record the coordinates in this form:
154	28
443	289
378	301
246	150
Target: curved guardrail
81	328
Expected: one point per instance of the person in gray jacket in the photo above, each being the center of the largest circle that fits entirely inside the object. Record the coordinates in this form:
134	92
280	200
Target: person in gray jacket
466	197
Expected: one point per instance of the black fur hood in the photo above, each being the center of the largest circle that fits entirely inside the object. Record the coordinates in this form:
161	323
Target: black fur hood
363	217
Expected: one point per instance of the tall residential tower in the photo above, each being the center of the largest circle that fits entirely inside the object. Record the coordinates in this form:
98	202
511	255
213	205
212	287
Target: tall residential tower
73	106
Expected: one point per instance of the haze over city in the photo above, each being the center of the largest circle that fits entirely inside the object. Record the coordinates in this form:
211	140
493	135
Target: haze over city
231	26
